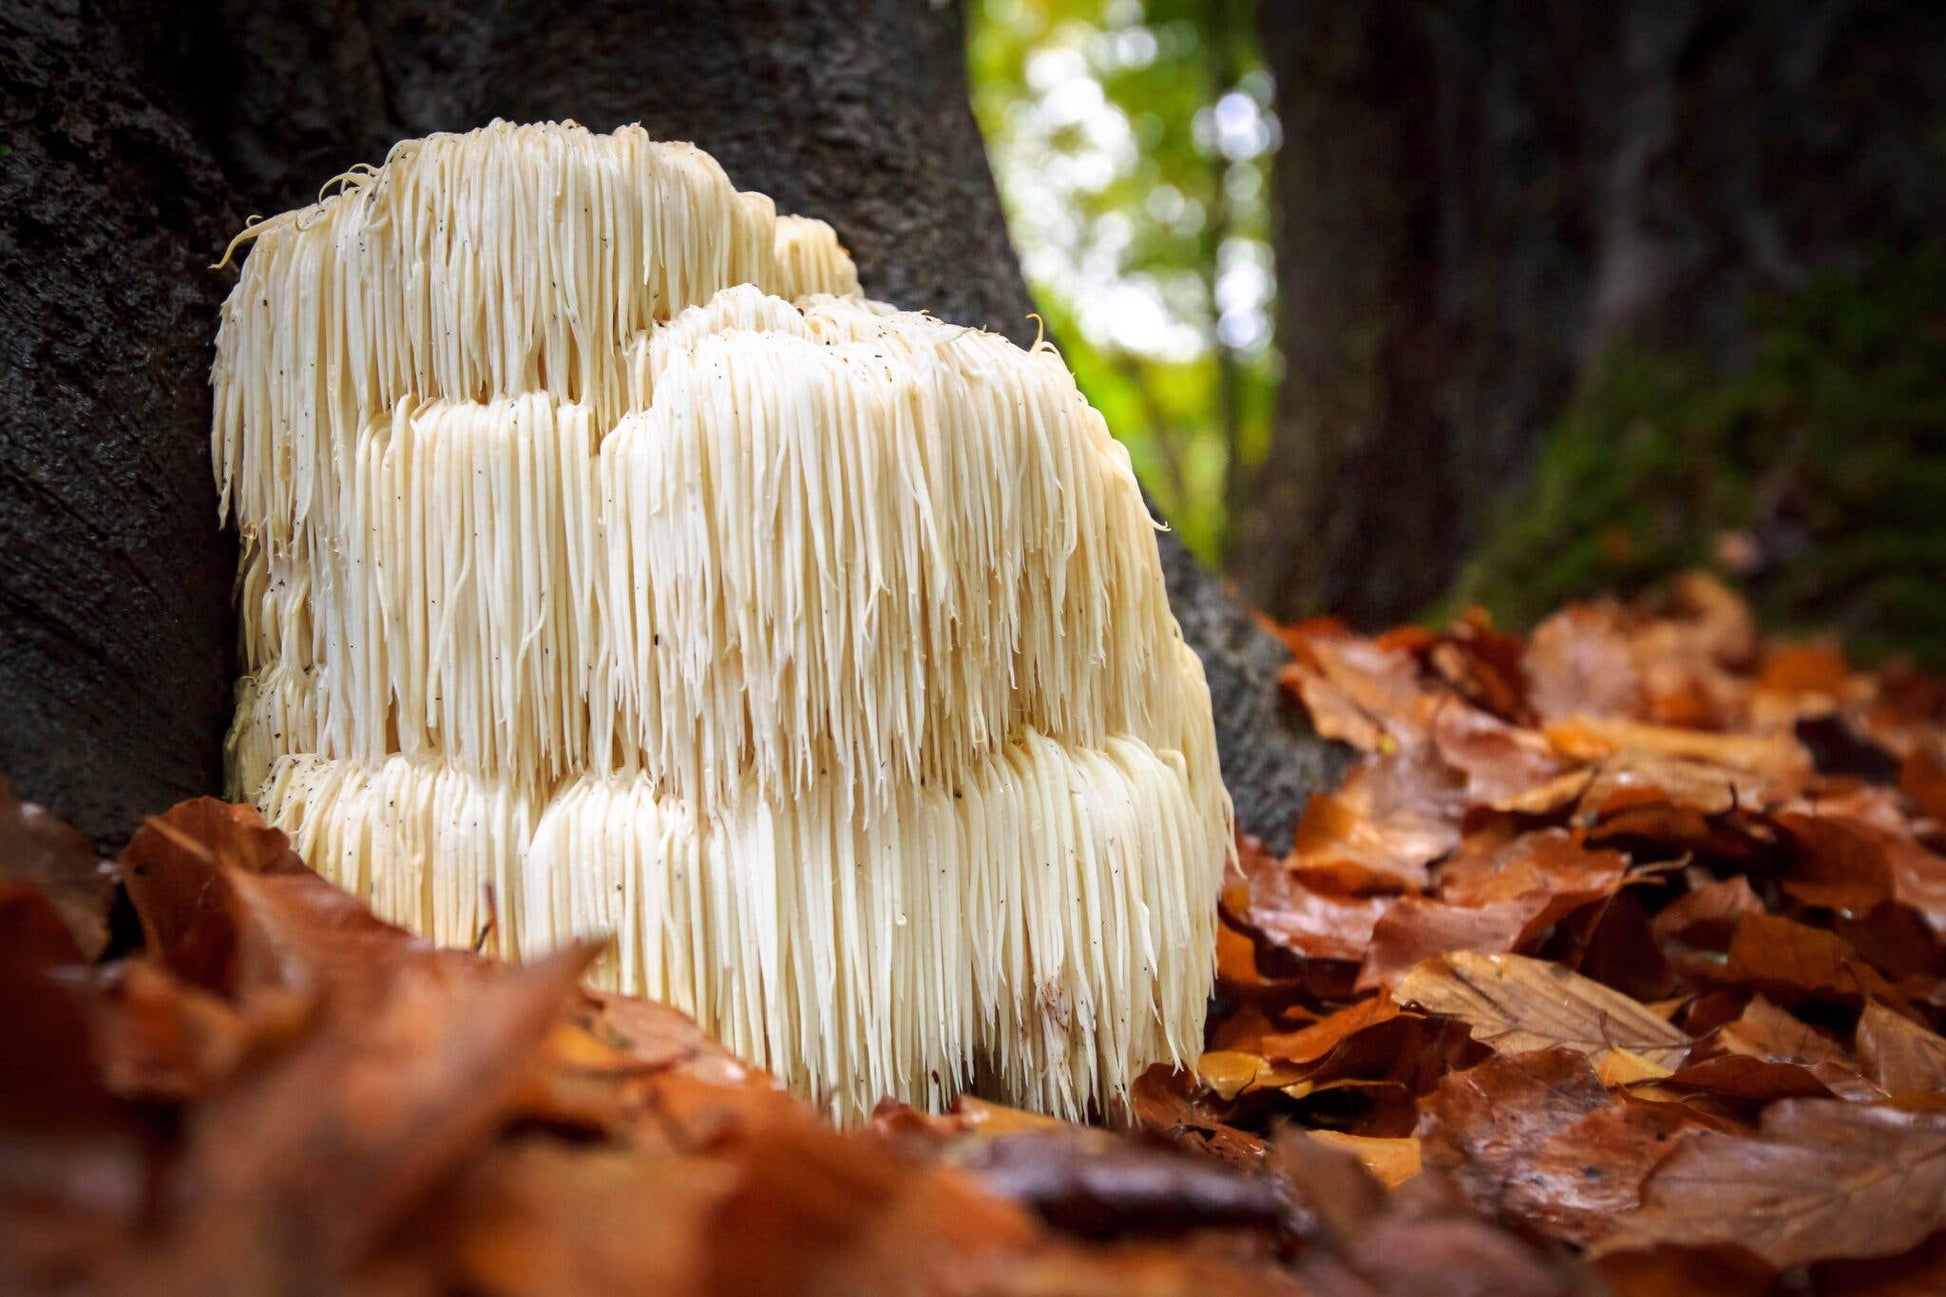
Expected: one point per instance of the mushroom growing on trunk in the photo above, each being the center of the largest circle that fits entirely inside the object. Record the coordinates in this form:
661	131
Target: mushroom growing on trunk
610	565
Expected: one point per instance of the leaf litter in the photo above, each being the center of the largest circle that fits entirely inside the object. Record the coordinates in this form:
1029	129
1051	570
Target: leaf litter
1615	964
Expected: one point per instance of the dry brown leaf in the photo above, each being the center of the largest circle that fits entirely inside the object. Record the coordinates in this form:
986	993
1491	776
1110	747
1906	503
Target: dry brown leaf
1919	1273
1165	1101
1228	1073
1358	691
1821	1180
1778	757
39	851
1706	918
1393	817
1091	1184
1848	863
1417	929
1580	662
1297	916
1483	666
1791	962
1549	860
1923	779
1516	1005
1501	762
1899	1054
1765	1053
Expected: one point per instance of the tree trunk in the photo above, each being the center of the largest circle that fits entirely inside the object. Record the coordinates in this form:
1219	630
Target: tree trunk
115	625
1475	200
851	110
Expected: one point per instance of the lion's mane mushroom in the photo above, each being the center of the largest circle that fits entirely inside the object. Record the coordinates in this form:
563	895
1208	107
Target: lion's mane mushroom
611	565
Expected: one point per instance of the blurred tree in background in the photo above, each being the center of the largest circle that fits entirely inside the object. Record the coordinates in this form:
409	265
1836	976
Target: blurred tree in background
1565	297
1131	143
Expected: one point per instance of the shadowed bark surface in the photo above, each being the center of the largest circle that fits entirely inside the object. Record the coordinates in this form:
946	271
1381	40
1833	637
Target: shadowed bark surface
851	111
115	624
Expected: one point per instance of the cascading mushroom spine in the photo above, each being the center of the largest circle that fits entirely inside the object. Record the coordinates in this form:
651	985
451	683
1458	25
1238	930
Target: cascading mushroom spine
612	565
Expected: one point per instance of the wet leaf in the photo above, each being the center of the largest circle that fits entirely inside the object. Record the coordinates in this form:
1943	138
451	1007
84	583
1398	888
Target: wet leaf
1537	1138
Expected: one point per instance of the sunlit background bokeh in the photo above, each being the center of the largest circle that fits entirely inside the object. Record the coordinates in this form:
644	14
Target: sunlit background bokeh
1132	144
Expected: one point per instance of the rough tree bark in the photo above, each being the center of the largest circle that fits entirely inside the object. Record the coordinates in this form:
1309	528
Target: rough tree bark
1476	199
852	110
115	623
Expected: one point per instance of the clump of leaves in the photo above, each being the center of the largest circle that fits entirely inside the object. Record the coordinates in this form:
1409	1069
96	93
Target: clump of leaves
1813	472
281	1093
1630	934
1621	955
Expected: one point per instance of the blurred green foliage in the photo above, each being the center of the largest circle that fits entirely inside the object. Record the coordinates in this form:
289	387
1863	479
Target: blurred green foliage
1131	141
1815	476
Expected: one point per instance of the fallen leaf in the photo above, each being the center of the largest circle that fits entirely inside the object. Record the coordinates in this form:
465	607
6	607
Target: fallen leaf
1230	1072
1313	922
1580	662
1549	860
1923	779
1899	1054
1794	670
39	851
1090	1184
1839	864
1774	757
1393	816
1391	1161
1483	666
1538	1139
1791	962
1706	918
1821	1180
171	868
1719	1271
1163	1100
1418	928
1517	1005
1357	691
1765	1053
1501	762
1919	1273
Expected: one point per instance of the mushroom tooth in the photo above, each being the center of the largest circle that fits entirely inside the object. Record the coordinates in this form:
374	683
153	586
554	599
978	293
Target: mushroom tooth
1030	921
428	847
502	260
809	259
864	558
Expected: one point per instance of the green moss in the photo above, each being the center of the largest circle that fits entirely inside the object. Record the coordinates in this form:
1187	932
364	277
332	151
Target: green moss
1814	476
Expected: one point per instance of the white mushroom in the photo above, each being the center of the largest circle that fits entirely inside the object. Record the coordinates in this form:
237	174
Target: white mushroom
818	651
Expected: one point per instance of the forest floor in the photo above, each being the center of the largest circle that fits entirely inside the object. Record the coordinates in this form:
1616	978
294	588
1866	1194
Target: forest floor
1615	965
